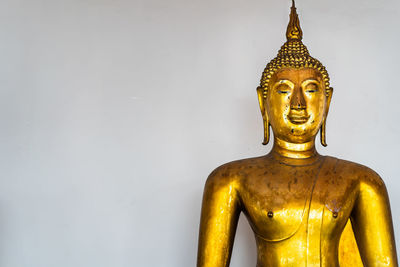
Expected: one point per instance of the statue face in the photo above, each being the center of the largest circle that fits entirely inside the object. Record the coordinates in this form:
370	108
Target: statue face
296	104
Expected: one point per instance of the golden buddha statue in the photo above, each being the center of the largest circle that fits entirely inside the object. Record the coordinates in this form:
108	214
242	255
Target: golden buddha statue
304	209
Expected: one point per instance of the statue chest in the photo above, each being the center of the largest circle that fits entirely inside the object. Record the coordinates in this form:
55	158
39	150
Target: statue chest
279	204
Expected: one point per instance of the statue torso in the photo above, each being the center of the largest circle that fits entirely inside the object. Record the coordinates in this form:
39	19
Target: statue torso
302	208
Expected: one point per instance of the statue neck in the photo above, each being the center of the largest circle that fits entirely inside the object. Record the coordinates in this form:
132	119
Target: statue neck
293	150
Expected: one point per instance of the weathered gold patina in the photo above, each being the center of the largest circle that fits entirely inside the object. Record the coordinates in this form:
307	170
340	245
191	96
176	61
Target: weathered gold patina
305	209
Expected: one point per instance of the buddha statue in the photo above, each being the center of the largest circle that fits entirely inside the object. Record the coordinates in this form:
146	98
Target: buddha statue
305	209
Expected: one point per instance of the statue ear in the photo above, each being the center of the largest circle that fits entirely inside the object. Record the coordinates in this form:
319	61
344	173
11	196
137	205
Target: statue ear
329	93
260	94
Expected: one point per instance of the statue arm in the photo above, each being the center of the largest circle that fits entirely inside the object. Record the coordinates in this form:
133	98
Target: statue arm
372	223
219	216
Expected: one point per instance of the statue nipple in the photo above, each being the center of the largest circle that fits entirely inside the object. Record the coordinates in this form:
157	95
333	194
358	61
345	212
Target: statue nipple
293	30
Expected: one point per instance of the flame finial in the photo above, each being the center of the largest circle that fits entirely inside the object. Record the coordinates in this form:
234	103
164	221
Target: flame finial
293	30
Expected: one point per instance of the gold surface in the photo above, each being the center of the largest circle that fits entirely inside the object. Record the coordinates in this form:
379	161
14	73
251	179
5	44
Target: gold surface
304	209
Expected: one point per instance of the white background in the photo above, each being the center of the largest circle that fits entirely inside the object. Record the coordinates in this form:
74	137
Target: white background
113	113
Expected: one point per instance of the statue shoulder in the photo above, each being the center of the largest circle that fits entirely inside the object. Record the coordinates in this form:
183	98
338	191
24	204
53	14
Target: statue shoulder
365	175
232	172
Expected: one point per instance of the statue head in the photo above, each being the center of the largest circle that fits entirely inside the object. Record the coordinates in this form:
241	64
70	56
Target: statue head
294	93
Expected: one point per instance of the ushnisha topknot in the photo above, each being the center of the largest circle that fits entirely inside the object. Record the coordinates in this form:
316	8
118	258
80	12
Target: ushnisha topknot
293	54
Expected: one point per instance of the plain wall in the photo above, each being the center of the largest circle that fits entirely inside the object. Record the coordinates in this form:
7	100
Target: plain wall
113	113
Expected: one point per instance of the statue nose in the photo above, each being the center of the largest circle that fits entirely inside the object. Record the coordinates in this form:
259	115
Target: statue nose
298	101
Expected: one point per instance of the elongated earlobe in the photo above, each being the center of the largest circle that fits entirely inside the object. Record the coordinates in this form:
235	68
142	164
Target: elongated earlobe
260	94
323	132
266	132
329	93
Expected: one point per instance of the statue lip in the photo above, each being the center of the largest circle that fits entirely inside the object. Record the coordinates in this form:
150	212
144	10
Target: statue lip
298	119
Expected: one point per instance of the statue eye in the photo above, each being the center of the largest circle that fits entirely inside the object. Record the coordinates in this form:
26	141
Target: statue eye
311	88
283	89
